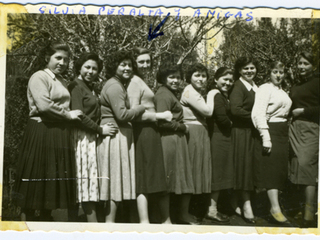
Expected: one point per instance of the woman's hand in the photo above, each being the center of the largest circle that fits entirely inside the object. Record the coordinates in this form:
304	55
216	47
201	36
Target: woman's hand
297	112
267	145
187	129
76	114
109	129
167	116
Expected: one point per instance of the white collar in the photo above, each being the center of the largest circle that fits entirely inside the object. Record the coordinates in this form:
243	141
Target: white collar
51	74
248	85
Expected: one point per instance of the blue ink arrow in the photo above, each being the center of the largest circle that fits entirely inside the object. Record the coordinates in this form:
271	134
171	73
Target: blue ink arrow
154	34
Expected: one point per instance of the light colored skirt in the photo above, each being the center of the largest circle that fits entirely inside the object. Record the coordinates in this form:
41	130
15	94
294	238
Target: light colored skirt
116	166
304	141
86	166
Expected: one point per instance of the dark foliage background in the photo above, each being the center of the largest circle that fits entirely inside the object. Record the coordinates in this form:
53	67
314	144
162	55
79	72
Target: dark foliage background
265	39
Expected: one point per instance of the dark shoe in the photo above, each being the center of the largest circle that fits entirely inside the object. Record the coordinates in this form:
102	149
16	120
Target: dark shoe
286	223
249	220
218	217
309	224
193	222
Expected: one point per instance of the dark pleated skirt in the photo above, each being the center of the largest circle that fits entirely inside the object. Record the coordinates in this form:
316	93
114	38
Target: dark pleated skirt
150	173
271	170
46	167
242	153
222	163
200	157
304	141
177	163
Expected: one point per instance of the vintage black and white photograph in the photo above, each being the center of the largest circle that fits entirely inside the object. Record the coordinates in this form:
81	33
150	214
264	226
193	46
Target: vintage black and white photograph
160	118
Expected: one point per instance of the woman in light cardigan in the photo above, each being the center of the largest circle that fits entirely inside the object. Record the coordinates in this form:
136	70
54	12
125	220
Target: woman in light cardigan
269	116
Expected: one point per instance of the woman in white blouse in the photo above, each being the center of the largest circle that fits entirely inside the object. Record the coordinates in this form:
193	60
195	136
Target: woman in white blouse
269	116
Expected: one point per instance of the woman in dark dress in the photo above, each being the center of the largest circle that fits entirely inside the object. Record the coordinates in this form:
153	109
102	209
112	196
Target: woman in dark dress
220	133
116	160
243	133
304	133
83	97
149	165
47	152
269	116
177	163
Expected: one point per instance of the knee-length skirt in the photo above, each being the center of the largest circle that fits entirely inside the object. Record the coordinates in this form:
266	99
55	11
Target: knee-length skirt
150	173
116	166
86	166
304	141
222	163
242	153
200	157
46	167
271	170
177	163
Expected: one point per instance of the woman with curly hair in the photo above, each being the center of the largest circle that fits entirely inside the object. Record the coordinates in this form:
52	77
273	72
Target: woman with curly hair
116	160
83	97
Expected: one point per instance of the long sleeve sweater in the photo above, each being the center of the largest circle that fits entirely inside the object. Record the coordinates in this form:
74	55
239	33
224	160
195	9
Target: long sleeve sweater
306	95
84	99
241	103
140	94
48	97
195	108
115	104
271	104
165	100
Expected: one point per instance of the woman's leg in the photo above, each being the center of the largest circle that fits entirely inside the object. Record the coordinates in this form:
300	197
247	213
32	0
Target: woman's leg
214	200
234	202
247	209
273	195
111	217
89	209
142	203
184	208
309	208
164	204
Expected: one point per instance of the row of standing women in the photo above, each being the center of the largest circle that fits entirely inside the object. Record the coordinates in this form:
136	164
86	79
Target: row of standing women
155	144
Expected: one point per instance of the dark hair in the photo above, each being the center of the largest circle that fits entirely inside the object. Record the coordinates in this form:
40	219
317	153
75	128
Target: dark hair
51	49
198	67
137	51
85	57
115	59
308	56
242	62
222	72
165	70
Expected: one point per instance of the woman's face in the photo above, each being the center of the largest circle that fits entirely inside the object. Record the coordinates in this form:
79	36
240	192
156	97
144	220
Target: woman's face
277	75
144	63
89	71
304	67
58	62
124	70
198	80
173	81
248	72
224	83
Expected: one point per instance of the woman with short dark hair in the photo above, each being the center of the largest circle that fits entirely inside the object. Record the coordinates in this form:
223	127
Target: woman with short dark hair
116	158
243	132
178	166
84	98
47	152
